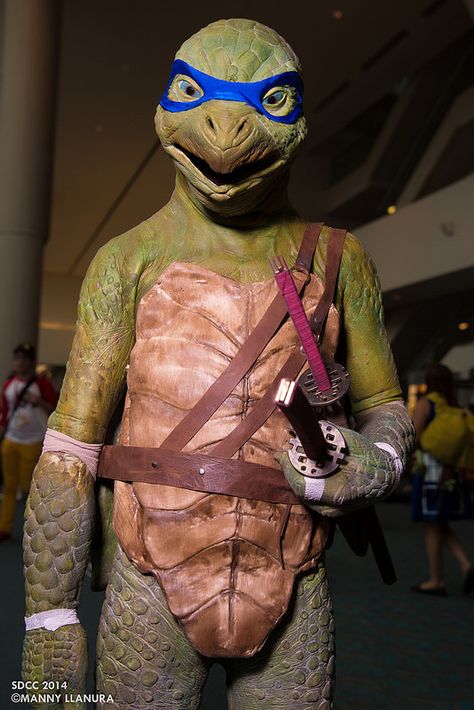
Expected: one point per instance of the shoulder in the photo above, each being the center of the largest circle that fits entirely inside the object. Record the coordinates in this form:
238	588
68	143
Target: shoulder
10	388
114	273
358	285
123	255
9	381
358	281
356	261
355	258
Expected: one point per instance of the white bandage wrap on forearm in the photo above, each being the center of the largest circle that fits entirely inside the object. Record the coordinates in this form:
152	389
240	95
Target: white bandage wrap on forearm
396	459
62	443
314	488
51	620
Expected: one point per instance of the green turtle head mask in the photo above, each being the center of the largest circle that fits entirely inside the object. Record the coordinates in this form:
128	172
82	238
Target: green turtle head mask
231	116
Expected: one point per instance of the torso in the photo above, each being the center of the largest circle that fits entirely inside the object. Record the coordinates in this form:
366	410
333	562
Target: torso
189	327
190	324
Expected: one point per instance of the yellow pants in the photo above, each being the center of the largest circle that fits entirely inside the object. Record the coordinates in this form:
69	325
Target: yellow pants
18	462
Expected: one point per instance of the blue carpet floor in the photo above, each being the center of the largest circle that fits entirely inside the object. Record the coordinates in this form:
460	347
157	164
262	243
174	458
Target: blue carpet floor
395	650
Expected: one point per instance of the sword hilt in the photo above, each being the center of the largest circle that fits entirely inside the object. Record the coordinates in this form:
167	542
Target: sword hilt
318	448
297	313
300	414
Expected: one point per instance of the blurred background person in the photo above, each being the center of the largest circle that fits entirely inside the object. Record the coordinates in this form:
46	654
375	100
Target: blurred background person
440	492
467	460
27	401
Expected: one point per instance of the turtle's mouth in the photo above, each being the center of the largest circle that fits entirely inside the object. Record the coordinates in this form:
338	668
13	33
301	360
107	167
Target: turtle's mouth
243	173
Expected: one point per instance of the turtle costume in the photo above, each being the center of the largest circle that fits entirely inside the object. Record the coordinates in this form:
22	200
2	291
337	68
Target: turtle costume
221	539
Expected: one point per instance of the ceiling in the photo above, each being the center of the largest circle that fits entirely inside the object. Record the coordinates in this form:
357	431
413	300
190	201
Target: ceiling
109	172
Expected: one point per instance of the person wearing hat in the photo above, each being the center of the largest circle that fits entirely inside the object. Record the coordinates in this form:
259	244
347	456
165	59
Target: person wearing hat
27	401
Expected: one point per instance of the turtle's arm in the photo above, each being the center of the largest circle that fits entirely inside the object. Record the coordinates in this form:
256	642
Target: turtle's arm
60	509
371	471
375	393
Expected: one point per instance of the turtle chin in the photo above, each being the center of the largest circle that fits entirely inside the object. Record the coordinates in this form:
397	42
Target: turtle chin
238	191
244	206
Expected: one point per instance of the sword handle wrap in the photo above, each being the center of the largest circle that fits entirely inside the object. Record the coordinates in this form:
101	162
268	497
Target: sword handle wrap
288	290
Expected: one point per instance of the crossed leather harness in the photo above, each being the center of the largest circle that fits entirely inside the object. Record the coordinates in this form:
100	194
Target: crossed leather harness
217	472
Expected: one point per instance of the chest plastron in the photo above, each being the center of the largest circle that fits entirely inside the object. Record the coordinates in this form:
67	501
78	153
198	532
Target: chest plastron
227	565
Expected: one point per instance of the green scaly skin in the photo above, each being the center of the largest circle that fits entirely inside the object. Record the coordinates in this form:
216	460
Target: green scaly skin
59	518
368	473
232	228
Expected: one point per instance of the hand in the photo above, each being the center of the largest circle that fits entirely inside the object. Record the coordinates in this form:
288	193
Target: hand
368	473
59	656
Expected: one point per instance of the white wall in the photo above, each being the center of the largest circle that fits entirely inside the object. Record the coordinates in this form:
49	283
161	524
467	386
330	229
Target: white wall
412	245
460	359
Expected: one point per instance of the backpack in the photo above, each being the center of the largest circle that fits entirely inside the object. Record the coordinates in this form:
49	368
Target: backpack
466	460
446	435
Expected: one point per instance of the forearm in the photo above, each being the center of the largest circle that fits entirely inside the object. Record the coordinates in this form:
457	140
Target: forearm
369	472
389	424
58	531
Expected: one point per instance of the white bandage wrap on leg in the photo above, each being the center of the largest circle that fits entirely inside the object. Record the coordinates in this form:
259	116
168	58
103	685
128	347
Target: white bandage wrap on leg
51	620
396	459
63	444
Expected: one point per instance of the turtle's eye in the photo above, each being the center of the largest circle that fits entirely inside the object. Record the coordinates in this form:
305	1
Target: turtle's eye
189	90
279	101
274	99
185	89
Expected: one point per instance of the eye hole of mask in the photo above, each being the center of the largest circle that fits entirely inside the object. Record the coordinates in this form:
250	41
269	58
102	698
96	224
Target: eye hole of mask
279	101
184	89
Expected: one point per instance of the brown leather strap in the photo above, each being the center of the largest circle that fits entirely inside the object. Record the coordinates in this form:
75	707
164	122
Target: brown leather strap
261	411
247	355
304	260
232	375
266	405
196	472
333	261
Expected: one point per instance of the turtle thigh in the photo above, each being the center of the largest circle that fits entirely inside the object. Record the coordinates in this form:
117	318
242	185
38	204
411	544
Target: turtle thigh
143	657
296	669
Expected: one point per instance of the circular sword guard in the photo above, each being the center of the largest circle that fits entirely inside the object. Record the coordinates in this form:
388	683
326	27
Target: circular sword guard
340	381
334	455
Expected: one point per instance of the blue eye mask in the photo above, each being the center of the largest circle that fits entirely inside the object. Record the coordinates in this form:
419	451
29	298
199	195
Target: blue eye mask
249	92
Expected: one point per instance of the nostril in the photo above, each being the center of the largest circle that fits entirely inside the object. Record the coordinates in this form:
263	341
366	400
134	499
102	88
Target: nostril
210	123
241	126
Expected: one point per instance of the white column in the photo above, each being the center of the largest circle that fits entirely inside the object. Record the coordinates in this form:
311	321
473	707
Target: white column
27	112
